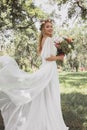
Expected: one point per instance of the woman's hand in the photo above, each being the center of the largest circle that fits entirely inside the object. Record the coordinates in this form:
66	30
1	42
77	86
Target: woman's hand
54	58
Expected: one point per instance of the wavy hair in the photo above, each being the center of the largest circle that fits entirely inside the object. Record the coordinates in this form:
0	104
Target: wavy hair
43	22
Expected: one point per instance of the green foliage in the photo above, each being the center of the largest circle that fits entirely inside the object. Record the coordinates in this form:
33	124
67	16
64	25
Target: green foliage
26	50
20	17
79	34
19	14
80	5
61	1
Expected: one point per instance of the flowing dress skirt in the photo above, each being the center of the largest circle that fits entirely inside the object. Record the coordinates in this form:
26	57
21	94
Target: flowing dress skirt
30	101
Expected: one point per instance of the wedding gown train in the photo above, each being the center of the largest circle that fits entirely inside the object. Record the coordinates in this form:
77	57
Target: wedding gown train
31	101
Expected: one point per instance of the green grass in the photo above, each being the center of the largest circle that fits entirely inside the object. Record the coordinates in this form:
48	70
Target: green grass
73	82
73	88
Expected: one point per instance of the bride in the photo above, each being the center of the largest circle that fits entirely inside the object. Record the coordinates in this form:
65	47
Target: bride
32	101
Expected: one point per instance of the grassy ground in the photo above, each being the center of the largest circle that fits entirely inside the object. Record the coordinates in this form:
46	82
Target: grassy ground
73	88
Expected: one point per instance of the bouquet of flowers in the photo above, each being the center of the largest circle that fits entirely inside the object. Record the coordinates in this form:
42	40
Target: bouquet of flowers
64	46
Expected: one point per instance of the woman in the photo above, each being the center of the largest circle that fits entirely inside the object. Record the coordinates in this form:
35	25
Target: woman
32	101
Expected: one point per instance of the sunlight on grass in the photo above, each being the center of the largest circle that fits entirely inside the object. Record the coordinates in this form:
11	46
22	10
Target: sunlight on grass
73	82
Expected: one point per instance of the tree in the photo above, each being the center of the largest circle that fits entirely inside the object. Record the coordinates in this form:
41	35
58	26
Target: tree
20	17
74	5
18	14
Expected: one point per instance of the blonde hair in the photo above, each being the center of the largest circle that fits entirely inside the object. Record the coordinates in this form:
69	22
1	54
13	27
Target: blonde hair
39	45
43	22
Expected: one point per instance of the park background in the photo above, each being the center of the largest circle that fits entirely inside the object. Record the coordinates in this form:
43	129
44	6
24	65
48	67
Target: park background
19	33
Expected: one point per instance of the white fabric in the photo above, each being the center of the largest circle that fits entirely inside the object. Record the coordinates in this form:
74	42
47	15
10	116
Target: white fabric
31	101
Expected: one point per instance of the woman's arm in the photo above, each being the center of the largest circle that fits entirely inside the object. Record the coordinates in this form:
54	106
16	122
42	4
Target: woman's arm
54	58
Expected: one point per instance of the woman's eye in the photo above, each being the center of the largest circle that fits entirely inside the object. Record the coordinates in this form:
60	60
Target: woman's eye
49	27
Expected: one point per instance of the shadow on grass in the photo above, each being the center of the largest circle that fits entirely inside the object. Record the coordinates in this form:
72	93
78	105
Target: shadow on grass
74	107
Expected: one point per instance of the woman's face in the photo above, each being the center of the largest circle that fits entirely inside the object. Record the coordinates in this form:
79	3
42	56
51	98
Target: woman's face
48	29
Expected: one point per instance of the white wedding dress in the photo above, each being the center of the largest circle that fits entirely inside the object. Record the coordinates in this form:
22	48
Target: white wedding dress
31	101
